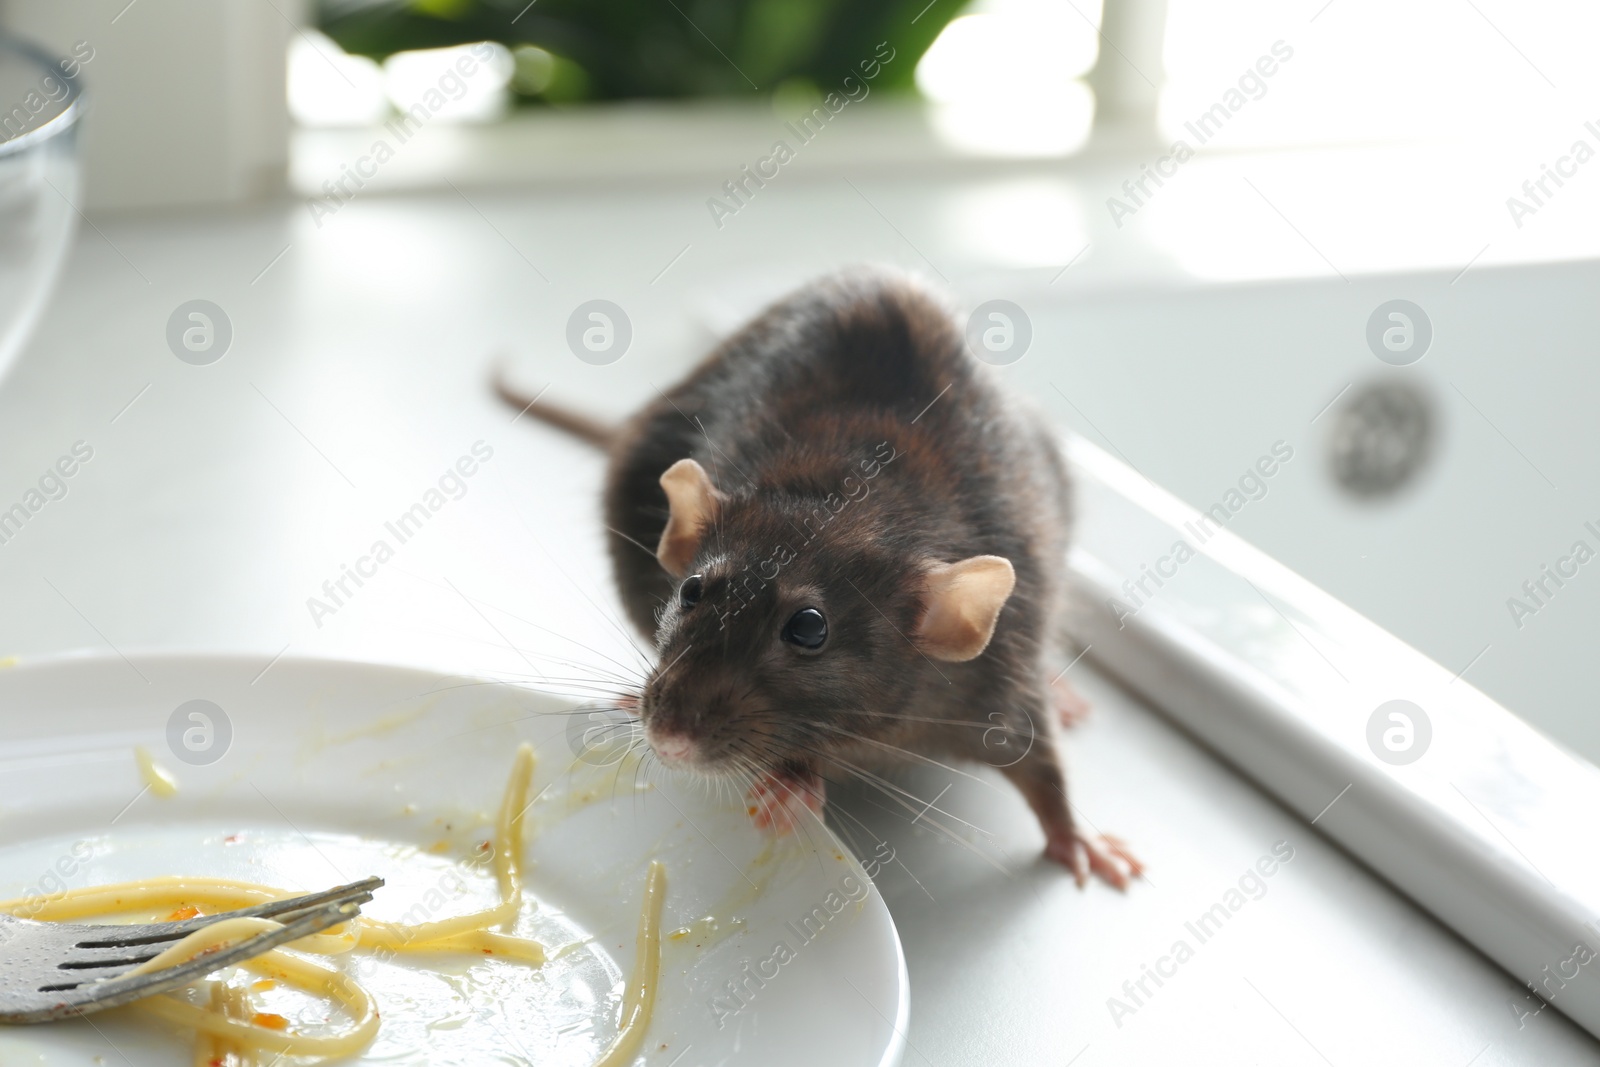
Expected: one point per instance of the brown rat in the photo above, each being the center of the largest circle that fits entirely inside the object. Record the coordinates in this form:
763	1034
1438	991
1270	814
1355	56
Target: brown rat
847	545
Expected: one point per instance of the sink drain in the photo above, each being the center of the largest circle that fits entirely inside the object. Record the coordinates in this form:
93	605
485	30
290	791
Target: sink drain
1381	437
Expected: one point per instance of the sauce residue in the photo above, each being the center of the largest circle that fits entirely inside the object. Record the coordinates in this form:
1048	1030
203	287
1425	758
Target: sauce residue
707	930
157	778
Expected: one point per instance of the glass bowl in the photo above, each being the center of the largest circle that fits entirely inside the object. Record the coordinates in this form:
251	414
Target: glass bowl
41	102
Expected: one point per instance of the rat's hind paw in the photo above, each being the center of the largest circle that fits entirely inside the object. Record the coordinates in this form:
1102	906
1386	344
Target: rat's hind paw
1070	707
780	802
1102	855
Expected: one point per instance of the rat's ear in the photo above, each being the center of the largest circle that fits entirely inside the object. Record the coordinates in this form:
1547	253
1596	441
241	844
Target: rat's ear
694	501
963	602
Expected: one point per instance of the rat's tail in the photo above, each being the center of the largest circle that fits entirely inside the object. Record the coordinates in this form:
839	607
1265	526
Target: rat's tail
579	425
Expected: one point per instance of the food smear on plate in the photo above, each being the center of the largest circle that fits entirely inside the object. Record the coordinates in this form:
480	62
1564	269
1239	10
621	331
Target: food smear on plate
156	778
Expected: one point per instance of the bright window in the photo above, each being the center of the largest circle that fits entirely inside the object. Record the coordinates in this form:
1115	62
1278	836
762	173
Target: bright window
1379	70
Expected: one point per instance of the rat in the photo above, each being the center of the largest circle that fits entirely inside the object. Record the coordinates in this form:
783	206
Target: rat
848	547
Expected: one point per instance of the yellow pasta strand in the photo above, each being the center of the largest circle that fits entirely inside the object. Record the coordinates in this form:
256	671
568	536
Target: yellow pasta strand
397	935
160	896
212	1051
208	1051
314	978
508	859
157	897
475	939
217	935
640	999
220	894
235	1004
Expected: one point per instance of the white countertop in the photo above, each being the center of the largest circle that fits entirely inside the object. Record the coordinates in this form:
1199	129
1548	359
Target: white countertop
219	498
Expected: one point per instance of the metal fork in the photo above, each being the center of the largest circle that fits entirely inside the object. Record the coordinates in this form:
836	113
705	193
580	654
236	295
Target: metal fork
55	970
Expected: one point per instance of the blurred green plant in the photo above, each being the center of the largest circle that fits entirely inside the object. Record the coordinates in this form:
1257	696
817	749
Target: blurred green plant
569	51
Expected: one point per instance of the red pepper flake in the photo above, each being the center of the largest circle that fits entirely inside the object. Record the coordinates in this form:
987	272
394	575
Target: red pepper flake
270	1021
188	911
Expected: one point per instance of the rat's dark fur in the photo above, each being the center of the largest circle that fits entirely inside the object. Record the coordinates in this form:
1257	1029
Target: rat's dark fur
854	440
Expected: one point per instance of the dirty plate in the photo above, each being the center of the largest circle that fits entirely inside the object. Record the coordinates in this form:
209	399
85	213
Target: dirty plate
314	773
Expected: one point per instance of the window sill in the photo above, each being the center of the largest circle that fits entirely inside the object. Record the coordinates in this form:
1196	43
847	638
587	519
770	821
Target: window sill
1285	682
1224	216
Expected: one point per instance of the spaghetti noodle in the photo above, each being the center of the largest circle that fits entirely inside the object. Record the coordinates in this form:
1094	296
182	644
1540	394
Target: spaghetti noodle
227	1027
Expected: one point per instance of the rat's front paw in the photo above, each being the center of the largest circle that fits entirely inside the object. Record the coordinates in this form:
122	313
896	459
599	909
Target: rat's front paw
780	802
1071	708
1102	855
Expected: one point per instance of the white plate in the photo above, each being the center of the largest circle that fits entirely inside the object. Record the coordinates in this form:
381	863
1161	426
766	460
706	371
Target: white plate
339	770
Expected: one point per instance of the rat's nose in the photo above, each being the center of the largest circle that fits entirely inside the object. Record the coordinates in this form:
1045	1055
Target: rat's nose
673	749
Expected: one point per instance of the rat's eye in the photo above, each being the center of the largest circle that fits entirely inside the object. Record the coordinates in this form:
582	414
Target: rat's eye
689	592
806	629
